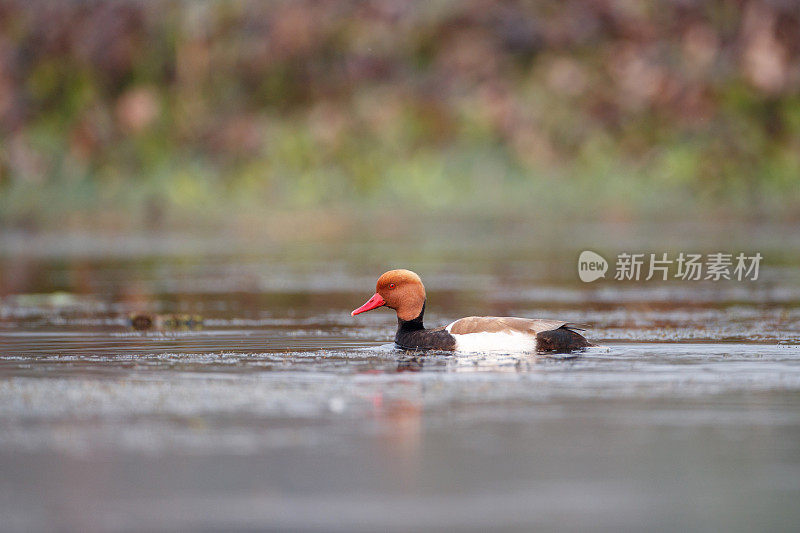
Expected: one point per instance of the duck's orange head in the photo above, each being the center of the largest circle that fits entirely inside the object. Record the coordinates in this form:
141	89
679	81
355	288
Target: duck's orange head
401	290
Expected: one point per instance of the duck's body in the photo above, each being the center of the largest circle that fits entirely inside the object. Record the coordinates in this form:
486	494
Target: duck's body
403	291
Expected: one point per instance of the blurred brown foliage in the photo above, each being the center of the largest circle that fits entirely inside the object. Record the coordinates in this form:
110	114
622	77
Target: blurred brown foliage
302	102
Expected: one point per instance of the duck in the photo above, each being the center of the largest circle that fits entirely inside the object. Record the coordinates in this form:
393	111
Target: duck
402	290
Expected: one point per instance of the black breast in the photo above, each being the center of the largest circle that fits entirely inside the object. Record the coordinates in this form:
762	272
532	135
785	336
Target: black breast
412	335
424	339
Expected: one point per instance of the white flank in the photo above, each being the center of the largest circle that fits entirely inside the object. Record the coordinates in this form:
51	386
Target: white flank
505	342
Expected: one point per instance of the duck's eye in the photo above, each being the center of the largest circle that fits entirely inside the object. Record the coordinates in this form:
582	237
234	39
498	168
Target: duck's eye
391	285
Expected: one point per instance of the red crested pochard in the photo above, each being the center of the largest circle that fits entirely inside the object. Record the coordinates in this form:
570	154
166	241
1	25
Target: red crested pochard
402	290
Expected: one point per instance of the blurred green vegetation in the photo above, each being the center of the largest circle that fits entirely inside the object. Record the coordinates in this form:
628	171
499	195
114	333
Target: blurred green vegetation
147	109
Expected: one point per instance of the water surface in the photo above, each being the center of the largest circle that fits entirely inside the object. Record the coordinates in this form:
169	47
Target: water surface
281	411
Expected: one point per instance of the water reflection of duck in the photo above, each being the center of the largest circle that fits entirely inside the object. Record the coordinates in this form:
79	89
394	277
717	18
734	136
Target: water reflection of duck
402	290
409	365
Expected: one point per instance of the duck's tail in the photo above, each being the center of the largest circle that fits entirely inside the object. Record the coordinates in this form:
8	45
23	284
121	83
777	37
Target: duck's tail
561	340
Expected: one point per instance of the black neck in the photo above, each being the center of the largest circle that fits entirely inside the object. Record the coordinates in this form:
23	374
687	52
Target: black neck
413	324
412	335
